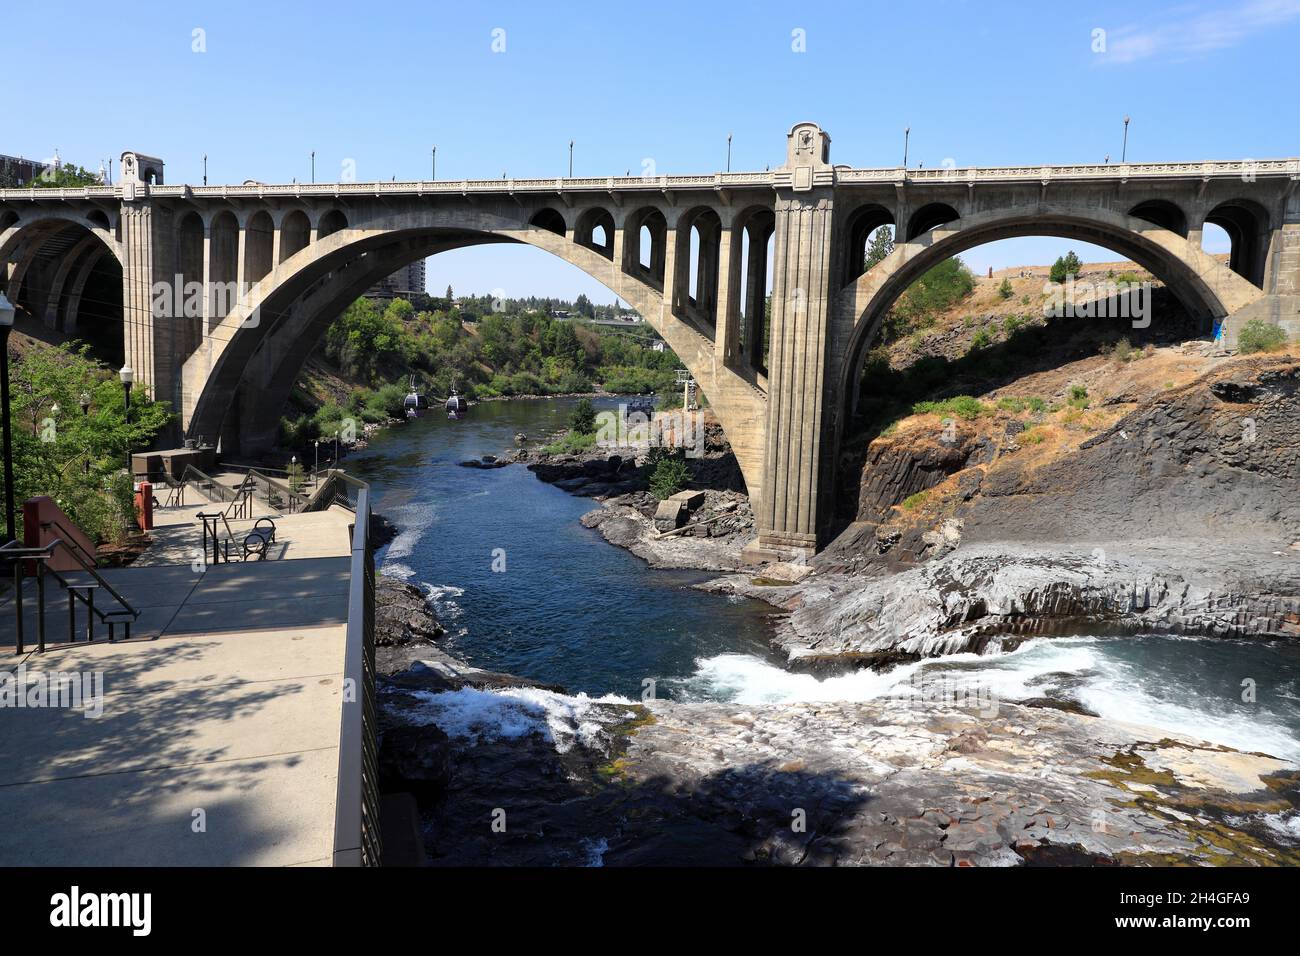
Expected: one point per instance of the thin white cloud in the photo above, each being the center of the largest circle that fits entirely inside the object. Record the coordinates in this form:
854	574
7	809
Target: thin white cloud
1185	33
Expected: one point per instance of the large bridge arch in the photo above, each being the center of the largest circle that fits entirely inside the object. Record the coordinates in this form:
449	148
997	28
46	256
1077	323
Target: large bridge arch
264	321
46	260
1205	286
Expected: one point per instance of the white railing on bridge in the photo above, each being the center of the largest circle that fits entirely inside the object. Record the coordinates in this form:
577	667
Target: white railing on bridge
843	175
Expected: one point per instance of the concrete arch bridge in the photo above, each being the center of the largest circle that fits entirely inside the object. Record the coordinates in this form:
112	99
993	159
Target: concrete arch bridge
225	290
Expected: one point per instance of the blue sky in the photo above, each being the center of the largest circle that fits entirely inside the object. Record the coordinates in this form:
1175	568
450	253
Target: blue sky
978	82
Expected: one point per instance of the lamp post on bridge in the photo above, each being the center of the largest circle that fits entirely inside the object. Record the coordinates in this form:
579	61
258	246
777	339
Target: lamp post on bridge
570	159
6	326
1124	154
313	165
907	134
205	169
728	152
434	154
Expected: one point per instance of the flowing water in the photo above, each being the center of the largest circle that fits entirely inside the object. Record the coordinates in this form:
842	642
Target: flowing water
522	587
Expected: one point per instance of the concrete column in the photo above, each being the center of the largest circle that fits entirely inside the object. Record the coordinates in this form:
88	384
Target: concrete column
208	320
150	341
755	297
727	330
706	283
275	249
240	252
677	269
789	518
619	238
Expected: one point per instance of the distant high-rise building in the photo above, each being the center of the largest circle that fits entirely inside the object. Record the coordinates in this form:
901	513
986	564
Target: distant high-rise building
406	281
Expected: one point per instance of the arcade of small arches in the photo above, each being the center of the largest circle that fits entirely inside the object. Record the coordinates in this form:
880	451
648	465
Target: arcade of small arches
695	259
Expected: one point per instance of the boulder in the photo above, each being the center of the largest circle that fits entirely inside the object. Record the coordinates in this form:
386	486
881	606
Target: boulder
670	515
415	758
690	499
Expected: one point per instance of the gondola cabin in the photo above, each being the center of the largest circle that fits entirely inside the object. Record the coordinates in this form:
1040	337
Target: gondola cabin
456	406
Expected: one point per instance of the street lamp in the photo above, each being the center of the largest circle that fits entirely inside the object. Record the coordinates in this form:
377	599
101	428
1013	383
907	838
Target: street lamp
570	159
313	165
127	375
84	401
315	471
6	326
907	134
205	169
435	162
1124	155
728	152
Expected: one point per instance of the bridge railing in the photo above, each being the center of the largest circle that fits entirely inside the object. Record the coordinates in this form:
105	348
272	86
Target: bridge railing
356	813
848	175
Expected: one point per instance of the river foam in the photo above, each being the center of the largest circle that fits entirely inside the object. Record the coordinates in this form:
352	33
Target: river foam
1149	681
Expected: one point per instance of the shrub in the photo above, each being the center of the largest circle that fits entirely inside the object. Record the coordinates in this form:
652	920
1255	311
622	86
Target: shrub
1004	290
982	340
583	419
1259	336
1078	397
963	406
670	476
571	444
1012	403
912	502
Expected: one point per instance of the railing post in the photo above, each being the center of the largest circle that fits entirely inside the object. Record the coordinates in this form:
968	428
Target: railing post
18	603
40	606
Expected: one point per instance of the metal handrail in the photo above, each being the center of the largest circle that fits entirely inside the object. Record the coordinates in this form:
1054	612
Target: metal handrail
99	579
69	541
19	555
356	814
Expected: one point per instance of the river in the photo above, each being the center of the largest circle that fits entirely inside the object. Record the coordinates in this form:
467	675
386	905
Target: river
522	587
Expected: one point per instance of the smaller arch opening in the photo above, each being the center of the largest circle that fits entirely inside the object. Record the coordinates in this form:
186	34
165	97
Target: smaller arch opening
330	223
259	236
295	233
550	220
930	216
645	237
1246	225
864	225
595	230
99	220
1163	213
8	219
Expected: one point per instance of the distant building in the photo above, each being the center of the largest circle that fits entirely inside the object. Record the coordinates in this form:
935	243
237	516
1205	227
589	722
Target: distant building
16	171
405	282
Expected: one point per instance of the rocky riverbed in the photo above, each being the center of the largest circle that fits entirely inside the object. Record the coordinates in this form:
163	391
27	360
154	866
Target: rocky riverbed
508	772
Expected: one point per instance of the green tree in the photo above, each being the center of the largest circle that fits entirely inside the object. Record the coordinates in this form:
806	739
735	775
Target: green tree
67	176
78	459
1004	290
879	247
1064	267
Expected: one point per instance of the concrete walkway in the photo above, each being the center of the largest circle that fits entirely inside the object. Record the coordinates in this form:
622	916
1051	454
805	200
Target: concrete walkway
218	738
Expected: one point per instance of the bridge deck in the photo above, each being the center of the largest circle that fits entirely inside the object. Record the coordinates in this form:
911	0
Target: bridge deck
219	734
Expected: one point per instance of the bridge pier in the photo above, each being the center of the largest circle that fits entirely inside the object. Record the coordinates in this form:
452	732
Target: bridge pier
791	512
